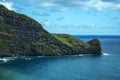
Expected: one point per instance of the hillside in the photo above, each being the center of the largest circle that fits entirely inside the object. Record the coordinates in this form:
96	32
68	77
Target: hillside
20	35
78	46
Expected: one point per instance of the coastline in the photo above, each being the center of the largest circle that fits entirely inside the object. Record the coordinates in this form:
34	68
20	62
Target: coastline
6	59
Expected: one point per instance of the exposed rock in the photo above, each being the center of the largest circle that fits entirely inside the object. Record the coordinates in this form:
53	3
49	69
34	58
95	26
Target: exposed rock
20	35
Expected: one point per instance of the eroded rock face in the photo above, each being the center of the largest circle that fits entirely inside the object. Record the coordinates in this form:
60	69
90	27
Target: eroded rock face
20	35
78	46
95	46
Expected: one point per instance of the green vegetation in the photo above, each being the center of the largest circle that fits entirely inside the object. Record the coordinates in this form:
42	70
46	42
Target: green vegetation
5	34
87	45
62	39
20	35
68	39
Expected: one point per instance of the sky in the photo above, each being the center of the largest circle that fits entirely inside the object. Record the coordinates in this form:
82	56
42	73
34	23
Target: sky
75	17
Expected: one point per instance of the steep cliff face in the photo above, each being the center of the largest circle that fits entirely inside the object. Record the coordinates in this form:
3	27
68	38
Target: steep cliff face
20	35
78	46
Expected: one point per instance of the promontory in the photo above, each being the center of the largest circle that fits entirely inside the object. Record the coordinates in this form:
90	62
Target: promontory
21	35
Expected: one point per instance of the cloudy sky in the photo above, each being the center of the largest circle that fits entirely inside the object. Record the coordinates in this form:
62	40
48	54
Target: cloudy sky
76	17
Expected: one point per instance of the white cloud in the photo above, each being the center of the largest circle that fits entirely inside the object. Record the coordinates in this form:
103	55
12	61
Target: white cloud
100	5
84	4
46	23
93	26
8	5
4	0
41	13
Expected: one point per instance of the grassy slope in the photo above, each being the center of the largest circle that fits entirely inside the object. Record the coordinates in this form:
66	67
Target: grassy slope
79	46
68	40
21	35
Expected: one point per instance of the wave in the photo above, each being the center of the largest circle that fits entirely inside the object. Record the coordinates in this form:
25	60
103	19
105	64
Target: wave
27	58
106	54
4	60
80	55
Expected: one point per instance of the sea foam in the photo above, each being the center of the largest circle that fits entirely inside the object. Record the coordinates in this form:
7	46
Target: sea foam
106	54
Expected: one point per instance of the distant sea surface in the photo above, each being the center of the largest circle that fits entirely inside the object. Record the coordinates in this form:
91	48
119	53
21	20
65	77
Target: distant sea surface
82	67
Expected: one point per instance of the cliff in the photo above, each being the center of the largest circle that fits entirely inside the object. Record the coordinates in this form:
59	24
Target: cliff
78	46
20	35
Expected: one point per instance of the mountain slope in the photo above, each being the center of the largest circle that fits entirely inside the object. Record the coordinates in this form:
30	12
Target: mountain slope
20	35
79	46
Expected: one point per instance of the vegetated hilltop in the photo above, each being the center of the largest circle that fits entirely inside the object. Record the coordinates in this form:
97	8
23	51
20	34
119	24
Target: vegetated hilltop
20	35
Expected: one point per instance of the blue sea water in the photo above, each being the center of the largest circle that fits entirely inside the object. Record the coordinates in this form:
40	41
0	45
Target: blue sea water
82	67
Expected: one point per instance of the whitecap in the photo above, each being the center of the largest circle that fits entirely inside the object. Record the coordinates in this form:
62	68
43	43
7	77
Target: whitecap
28	58
81	55
4	59
106	54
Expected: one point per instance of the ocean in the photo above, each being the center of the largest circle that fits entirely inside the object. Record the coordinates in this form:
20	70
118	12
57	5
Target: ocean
82	67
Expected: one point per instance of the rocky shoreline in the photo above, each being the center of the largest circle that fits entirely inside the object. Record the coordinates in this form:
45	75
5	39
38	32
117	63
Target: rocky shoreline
21	35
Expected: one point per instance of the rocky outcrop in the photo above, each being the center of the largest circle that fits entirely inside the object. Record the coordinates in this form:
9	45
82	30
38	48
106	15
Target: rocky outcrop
20	35
95	46
78	46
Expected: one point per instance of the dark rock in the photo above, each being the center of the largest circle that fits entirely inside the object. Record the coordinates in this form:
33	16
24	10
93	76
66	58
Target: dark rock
20	35
95	46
